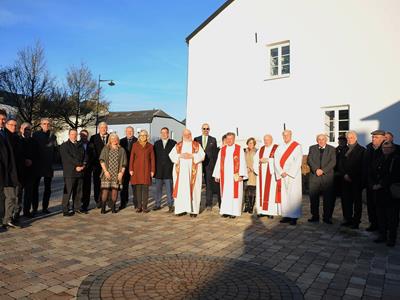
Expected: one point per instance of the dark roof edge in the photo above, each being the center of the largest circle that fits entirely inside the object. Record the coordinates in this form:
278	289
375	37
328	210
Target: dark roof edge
209	19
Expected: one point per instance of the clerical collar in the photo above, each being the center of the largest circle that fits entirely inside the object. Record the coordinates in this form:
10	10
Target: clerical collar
321	147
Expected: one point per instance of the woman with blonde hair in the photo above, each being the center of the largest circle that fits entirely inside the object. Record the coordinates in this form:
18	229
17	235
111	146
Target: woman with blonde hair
250	189
142	167
113	163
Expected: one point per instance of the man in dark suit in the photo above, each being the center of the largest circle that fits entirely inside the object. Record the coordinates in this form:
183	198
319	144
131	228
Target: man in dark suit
98	141
87	171
350	167
209	145
47	143
127	143
164	167
322	160
373	156
72	157
390	138
8	176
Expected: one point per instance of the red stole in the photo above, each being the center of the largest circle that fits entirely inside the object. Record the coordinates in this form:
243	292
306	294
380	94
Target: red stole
195	149
267	187
282	162
236	166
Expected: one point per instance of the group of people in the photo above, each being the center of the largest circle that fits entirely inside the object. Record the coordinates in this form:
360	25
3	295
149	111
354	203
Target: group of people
267	181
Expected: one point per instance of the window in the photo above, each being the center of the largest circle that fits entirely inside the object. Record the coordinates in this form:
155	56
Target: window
337	121
279	60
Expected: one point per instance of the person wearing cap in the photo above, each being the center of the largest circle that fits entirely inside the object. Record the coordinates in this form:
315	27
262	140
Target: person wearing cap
351	168
373	155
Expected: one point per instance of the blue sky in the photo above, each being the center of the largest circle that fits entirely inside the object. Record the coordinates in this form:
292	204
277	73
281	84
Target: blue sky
138	43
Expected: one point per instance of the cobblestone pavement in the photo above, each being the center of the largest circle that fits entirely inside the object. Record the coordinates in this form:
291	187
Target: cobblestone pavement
159	255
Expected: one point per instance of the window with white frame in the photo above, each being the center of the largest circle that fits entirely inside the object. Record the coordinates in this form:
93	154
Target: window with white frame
337	121
279	59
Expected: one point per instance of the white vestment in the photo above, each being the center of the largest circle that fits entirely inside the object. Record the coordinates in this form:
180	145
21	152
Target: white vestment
273	209
230	205
291	184
183	200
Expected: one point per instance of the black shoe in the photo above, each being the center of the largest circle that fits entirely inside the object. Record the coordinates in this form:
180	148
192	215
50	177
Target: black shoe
293	222
28	215
285	220
193	215
379	240
313	220
224	216
99	204
347	224
391	243
156	207
67	214
11	225
270	217
83	211
372	228
232	217
327	221
103	208
355	226
45	211
171	209
122	206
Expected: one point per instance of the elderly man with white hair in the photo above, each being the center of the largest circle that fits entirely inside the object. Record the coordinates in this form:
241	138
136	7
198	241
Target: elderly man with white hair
266	197
351	169
322	161
187	156
288	160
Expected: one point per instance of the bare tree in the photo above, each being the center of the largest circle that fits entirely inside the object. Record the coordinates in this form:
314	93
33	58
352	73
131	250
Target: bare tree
76	104
28	82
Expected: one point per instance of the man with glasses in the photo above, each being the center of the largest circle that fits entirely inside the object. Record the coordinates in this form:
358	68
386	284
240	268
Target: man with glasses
47	143
209	145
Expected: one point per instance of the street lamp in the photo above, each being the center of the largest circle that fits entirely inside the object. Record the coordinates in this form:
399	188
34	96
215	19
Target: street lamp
110	83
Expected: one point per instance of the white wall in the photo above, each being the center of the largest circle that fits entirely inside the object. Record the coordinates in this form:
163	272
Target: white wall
342	52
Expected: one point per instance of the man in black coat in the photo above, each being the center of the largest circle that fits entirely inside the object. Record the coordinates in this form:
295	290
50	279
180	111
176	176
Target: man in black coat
390	138
127	143
209	145
372	157
164	167
351	169
87	171
98	141
47	143
72	157
322	161
8	176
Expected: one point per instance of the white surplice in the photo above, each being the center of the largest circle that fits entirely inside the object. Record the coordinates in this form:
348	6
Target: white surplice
230	205
291	184
274	209
183	202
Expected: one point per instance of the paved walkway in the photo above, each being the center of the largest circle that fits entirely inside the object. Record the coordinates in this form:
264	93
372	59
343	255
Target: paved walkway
159	256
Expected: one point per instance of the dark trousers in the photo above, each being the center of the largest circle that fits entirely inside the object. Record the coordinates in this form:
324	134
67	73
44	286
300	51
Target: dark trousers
142	195
210	187
86	189
124	195
96	183
316	189
27	196
352	202
371	207
72	187
168	190
46	193
387	211
7	203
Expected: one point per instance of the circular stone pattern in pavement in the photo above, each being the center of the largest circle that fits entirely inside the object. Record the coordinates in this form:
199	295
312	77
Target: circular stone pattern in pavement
187	277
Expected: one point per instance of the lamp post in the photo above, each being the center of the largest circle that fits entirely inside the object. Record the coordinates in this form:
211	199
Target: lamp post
110	83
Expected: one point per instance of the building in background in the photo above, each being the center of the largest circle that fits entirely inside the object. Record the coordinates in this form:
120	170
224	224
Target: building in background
312	66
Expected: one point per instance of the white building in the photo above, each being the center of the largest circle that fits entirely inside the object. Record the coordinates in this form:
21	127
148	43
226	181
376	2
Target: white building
316	66
151	120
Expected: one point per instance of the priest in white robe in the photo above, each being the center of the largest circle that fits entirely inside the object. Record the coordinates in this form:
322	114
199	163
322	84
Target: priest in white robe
229	171
267	202
187	175
288	160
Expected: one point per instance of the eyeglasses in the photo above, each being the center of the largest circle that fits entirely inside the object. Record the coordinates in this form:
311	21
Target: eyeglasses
206	128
